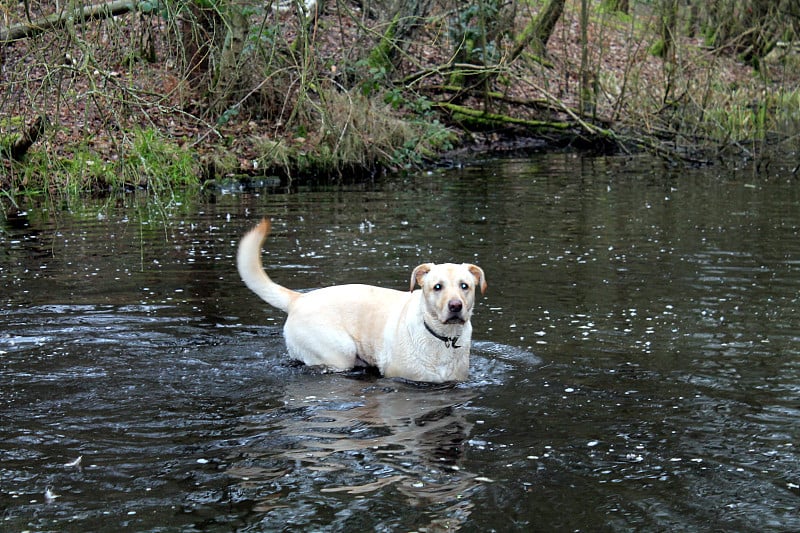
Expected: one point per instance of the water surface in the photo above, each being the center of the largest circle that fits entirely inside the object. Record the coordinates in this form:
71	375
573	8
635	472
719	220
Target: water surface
635	362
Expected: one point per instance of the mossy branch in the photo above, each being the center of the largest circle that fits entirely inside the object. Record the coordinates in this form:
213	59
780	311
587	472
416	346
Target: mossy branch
380	56
577	128
481	118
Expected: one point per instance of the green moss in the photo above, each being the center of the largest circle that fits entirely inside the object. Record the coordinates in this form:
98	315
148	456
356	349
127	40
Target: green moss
147	160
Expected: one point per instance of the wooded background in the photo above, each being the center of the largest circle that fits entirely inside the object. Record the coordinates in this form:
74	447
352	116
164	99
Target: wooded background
338	86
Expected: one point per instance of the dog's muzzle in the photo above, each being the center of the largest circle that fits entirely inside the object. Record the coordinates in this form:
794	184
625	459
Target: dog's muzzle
455	310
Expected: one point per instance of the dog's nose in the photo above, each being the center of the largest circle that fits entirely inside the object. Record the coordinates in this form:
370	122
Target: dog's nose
455	306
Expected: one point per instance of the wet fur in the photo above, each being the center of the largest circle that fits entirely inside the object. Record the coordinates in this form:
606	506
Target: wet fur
345	326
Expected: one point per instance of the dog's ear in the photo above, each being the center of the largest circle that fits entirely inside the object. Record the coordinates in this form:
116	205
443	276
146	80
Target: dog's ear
480	277
418	274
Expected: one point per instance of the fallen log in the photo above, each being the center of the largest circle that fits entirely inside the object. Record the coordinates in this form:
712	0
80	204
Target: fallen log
25	30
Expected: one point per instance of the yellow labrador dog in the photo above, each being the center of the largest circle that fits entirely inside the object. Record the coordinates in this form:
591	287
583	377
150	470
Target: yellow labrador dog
421	335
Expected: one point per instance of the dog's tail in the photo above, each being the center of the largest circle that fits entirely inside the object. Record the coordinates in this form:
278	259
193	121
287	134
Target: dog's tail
248	261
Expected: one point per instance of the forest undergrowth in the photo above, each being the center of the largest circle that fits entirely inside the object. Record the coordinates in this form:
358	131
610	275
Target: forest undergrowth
173	94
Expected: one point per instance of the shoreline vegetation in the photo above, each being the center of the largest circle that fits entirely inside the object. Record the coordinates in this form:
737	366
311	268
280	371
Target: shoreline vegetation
165	94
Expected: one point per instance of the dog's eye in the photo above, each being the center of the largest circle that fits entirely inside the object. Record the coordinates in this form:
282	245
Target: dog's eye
464	286
437	287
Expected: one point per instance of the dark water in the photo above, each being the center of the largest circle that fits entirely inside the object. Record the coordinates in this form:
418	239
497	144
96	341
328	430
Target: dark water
636	367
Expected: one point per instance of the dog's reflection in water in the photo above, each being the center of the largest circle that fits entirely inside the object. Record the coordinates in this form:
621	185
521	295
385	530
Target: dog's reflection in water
345	437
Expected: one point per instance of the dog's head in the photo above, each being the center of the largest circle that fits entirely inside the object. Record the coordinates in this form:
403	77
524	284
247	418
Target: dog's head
449	289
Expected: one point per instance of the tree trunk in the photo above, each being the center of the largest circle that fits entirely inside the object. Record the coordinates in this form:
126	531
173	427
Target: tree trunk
213	38
226	86
538	31
587	86
408	16
31	134
668	18
199	26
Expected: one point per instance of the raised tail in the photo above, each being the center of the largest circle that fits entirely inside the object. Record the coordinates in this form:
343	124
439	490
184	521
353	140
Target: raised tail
248	261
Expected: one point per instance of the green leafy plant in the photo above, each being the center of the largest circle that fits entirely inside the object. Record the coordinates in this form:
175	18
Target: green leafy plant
157	163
